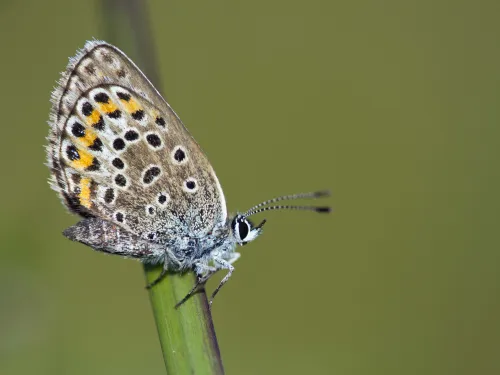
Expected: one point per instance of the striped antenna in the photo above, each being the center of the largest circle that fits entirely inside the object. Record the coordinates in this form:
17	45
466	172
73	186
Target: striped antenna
316	194
300	208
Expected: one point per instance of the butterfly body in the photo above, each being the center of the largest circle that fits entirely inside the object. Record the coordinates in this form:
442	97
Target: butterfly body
121	158
180	252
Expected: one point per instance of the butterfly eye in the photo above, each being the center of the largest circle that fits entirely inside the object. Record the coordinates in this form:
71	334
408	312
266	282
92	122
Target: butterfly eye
243	229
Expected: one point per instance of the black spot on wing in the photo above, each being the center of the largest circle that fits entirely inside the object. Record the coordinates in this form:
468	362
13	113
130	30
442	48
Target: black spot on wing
123	96
138	115
78	130
72	153
96	145
118	163
153	140
87	109
118	144
150	174
101	98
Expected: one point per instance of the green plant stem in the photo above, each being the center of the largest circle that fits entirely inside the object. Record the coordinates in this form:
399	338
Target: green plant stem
187	336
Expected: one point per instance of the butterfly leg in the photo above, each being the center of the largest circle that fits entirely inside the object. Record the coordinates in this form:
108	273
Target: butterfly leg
224	264
167	258
234	258
160	276
158	279
203	273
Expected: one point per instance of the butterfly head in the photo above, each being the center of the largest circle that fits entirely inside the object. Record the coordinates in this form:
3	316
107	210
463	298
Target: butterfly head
244	231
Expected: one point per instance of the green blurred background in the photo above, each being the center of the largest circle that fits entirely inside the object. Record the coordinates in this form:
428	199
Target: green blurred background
391	104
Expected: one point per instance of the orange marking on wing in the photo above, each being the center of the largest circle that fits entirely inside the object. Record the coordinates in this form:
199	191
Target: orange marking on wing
108	107
94	117
84	195
88	139
131	106
84	161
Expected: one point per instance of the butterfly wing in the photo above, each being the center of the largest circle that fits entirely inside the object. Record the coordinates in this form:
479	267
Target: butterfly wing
119	152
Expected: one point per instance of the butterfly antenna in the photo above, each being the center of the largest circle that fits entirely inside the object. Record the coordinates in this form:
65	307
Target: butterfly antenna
315	194
301	208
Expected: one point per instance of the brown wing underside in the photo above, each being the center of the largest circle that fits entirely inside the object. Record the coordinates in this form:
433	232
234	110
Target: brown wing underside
118	151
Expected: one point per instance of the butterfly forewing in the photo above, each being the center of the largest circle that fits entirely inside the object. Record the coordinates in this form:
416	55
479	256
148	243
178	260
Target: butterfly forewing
119	152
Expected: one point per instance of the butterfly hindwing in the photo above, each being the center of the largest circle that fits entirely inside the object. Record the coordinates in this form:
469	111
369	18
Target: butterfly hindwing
119	152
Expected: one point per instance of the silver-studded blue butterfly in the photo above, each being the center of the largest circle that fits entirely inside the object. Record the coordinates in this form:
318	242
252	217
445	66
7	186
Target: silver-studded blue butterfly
121	158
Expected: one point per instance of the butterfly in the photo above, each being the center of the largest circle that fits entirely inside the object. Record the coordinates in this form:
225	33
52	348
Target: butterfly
121	158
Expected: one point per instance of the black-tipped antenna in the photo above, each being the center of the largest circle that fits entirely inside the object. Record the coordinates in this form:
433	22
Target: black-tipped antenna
315	194
302	208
